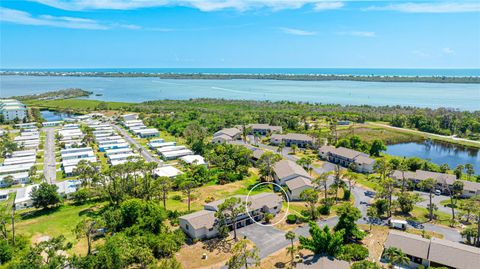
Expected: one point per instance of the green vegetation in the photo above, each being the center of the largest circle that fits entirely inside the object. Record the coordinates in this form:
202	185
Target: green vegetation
304	77
53	95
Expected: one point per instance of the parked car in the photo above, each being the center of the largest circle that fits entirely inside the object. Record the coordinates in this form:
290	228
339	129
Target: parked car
370	193
438	192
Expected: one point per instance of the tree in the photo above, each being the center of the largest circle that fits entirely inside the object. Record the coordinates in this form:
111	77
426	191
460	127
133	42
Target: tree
170	263
429	185
382	167
294	148
266	164
310	196
403	167
280	147
395	256
347	222
195	136
352	178
406	201
459	171
469	170
365	265
86	228
322	182
242	257
165	185
471	235
337	180
323	241
46	254
388	188
444	168
6	252
45	195
377	147
86	171
9	180
229	211
291	236
187	188
454	190
306	163
372	215
381	206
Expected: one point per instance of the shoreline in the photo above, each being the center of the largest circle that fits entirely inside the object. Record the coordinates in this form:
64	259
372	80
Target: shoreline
222	76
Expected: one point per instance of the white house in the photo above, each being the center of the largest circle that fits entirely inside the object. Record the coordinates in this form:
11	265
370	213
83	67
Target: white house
194	159
167	171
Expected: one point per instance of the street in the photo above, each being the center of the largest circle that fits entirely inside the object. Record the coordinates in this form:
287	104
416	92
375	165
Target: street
144	152
49	164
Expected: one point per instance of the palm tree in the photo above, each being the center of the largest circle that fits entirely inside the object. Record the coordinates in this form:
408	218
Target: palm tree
322	182
429	185
280	148
294	148
395	256
291	250
164	185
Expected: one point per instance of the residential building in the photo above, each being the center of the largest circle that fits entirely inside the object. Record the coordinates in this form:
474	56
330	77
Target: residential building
171	155
131	116
256	154
322	262
194	159
263	129
346	157
293	176
167	171
52	123
64	188
203	224
11	109
226	135
147	133
300	140
434	252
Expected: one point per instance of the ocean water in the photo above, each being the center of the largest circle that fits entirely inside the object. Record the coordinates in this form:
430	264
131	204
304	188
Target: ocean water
433	95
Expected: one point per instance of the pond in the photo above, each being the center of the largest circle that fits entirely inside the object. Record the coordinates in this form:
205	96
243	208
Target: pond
438	152
49	115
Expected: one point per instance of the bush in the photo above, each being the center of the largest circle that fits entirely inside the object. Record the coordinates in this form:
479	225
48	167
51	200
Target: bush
268	217
324	209
354	252
365	265
209	199
81	196
5	252
346	195
177	197
292	219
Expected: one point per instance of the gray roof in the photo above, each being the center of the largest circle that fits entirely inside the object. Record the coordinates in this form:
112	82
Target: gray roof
454	254
441	178
323	263
256	154
200	219
364	160
445	252
228	131
298	182
257	201
301	137
286	168
471	186
410	244
265	127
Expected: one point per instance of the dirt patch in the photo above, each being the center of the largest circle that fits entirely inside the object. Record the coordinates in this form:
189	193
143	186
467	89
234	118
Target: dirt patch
374	240
281	259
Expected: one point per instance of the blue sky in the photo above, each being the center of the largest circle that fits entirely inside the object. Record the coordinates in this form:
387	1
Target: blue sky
233	33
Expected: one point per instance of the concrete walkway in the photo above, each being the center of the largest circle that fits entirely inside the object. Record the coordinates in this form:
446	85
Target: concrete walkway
49	167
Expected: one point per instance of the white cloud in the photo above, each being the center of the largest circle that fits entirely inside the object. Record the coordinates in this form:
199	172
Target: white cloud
203	5
359	33
22	17
443	7
25	18
328	5
292	31
448	51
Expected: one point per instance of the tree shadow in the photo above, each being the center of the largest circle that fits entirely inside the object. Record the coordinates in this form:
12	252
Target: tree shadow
220	244
280	265
39	213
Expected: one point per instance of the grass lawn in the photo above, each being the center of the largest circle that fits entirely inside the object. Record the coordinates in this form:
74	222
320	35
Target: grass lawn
369	133
370	183
420	214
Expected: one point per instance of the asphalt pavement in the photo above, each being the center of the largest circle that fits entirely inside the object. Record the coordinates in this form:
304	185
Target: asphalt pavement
49	164
143	151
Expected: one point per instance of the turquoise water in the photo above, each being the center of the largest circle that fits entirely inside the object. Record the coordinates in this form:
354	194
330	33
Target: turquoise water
438	153
459	96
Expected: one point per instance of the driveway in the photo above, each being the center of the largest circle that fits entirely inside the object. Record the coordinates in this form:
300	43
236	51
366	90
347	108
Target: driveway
49	168
143	151
267	238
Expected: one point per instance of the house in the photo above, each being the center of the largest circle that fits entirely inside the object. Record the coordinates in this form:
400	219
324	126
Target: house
285	170
256	155
70	165
170	148
64	188
300	140
226	135
296	186
264	129
4	195
28	125
167	171
19	160
203	224
444	181
110	152
12	109
433	252
346	157
116	145
194	159
51	123
131	116
171	155
18	178
158	144
147	133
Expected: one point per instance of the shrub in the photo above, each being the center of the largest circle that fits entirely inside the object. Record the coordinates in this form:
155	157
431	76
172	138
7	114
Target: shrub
209	199
292	219
268	217
365	265
177	197
354	252
81	196
5	252
346	195
324	209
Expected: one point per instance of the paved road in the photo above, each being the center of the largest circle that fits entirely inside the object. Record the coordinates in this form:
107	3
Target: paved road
436	199
143	151
49	168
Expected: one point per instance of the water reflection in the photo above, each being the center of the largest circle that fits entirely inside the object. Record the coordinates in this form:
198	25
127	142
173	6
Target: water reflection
438	152
48	115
